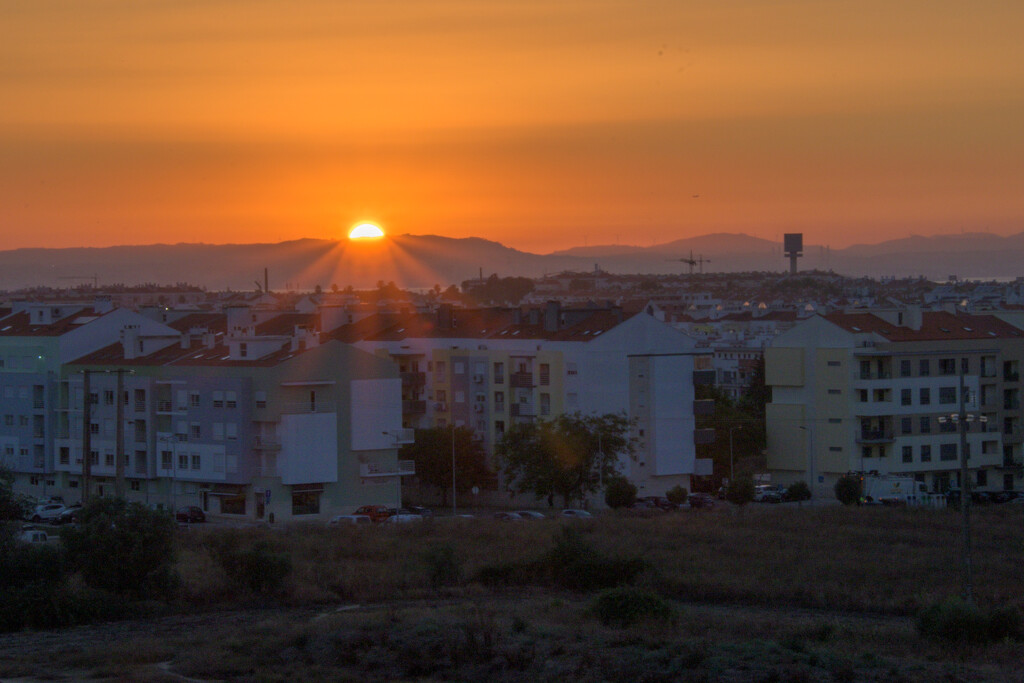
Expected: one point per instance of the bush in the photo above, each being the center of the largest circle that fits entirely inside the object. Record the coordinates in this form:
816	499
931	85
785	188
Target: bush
443	568
123	548
954	621
677	494
619	493
256	569
740	491
798	491
625	606
848	489
570	564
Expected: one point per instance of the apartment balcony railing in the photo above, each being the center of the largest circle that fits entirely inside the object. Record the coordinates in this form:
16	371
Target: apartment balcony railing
164	407
703	377
266	443
1011	404
874	435
523	410
522	380
703	436
884	374
414	379
410	407
404	468
1011	376
704	407
1010	462
38	404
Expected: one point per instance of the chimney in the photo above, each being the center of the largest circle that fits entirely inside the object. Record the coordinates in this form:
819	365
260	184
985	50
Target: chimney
209	340
552	314
130	341
912	317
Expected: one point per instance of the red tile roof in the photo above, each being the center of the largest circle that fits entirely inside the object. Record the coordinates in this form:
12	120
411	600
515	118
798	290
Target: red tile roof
935	325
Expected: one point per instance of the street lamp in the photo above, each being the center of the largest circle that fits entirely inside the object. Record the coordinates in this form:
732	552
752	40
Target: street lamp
732	475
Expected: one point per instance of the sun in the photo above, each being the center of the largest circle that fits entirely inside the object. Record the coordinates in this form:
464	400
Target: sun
365	231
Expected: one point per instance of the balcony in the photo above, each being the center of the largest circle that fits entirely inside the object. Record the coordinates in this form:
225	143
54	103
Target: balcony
874	435
404	468
703	436
703	377
523	410
1009	462
884	374
413	379
1011	376
166	407
414	407
38	404
521	380
704	407
266	443
1011	404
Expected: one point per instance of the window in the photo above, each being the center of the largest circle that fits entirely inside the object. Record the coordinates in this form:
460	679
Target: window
135	485
9	420
231	431
65	455
965	365
459	368
947	426
947	366
183	461
834	364
947	395
499	427
193	399
306	502
243	350
261	399
908	454
94	457
440	367
194	430
218	399
904	368
947	451
499	373
926	425
866	452
545	374
926	453
924	396
571	369
545	404
108	459
906	397
835	420
862	395
982	478
196	461
108	397
924	367
440	395
218	431
460	396
835	392
312	401
836	449
94	428
906	425
230	399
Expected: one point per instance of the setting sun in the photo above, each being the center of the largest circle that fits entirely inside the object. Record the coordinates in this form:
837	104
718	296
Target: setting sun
365	231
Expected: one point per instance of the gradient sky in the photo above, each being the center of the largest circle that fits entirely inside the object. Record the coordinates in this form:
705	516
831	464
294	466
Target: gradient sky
538	124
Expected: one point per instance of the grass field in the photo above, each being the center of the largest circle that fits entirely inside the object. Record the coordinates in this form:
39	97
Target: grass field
772	594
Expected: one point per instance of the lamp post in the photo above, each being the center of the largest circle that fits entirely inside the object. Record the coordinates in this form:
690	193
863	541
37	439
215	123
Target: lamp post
453	469
732	474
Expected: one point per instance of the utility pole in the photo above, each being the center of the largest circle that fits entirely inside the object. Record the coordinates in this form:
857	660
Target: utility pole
119	434
965	493
86	436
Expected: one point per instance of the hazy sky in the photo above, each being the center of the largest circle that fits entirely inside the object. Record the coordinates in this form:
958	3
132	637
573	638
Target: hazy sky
538	124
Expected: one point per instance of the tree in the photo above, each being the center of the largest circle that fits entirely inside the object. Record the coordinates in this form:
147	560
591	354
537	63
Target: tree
848	489
12	505
798	491
568	456
740	491
123	548
432	453
619	493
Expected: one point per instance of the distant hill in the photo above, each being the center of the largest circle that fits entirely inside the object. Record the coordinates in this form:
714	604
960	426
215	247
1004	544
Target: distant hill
421	261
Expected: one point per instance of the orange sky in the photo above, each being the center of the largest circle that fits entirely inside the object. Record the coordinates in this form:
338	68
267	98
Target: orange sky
538	124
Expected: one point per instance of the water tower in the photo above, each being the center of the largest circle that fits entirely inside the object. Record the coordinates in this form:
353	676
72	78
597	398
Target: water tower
793	247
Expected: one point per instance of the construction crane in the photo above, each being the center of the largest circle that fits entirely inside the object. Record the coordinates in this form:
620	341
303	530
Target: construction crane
94	278
699	261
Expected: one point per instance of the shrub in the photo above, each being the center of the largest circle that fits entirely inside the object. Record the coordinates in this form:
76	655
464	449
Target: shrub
740	491
123	548
677	494
954	621
798	491
625	606
443	568
848	489
256	569
619	493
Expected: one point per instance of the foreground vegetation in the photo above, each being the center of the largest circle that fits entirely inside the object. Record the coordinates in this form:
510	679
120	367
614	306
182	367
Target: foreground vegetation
760	594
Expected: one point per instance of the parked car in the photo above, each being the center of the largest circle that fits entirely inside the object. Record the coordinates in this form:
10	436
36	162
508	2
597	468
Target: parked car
69	515
575	514
47	512
33	536
349	520
507	517
702	500
376	513
418	510
531	515
768	493
659	502
190	514
402	519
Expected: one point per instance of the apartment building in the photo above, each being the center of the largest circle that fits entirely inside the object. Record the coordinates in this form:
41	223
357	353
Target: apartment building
876	391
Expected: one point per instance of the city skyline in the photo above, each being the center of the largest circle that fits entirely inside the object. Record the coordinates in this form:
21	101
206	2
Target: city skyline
539	127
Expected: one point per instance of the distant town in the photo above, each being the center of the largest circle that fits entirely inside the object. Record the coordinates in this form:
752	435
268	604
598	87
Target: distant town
300	404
